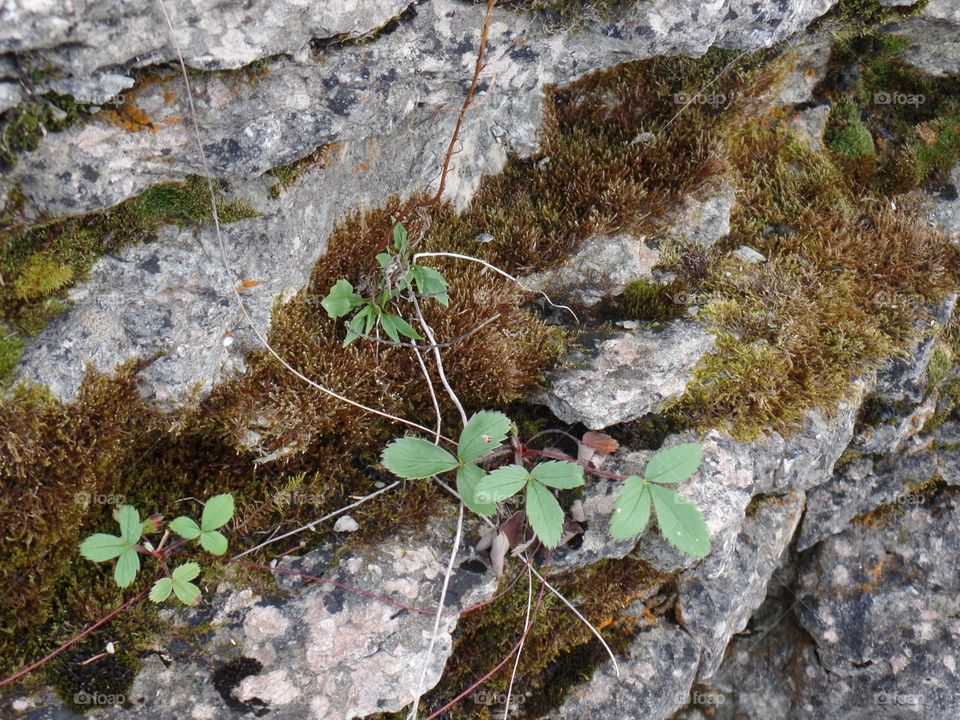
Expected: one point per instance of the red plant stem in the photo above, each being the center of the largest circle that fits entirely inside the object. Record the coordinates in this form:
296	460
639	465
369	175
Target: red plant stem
499	665
566	458
77	638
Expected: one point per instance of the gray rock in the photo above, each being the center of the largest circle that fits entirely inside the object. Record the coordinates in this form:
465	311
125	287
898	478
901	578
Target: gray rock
614	377
832	506
934	44
602	267
943	9
897	3
808	60
881	605
944	210
346	524
654	682
11	95
718	597
97	90
748	255
318	651
704	219
249	127
810	125
79	39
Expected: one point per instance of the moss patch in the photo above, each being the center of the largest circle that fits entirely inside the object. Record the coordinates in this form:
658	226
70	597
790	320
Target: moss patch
22	127
559	650
38	262
847	281
289	173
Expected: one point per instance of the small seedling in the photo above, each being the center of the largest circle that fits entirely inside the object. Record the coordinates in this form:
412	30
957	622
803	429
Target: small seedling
680	522
127	547
399	274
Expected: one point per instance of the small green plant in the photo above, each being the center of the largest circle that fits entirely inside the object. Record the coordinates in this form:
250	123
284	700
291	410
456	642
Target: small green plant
482	442
680	522
399	274
127	547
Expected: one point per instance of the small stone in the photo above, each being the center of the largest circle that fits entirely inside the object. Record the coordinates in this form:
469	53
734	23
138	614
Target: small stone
483	238
227	341
748	255
346	524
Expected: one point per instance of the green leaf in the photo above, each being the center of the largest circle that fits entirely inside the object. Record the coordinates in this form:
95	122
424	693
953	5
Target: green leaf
392	324
161	590
341	299
217	512
680	522
187	592
415	459
482	433
544	514
558	474
430	284
213	542
675	464
356	327
130	527
187	571
631	509
400	241
468	478
502	483
102	547
185	527
384	259
127	567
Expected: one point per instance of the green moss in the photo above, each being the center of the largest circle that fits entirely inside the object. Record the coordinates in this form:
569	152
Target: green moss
22	128
913	119
11	348
846	133
39	276
289	173
866	14
844	287
644	300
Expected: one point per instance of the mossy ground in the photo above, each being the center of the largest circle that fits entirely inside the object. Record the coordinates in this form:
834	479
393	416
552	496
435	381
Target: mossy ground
792	334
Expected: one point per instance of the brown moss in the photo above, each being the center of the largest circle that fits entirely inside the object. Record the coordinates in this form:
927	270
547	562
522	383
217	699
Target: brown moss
847	282
559	648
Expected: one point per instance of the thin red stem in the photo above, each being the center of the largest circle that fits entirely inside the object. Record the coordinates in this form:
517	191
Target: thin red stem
497	668
73	641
